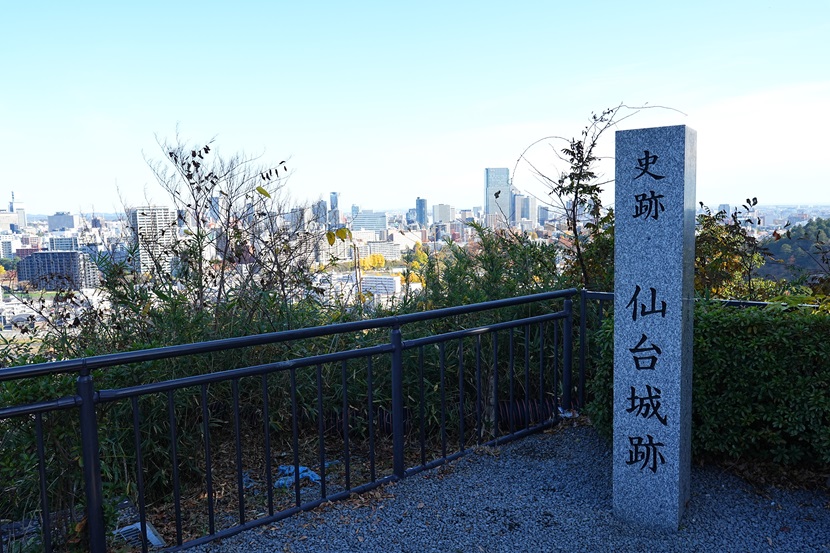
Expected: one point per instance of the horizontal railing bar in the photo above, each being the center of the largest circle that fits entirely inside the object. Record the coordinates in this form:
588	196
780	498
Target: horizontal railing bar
599	295
231	374
742	303
40	407
123	358
447	336
228	532
484	306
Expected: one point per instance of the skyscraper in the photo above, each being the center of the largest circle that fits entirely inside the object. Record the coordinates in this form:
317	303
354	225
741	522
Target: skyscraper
517	213
319	213
497	200
154	231
421	211
334	209
442	213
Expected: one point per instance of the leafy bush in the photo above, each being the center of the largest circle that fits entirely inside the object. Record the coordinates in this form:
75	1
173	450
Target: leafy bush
761	384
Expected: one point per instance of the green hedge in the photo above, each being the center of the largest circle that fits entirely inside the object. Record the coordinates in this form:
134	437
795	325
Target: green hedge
761	384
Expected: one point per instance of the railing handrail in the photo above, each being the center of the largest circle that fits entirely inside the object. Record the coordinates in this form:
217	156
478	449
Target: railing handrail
166	352
88	396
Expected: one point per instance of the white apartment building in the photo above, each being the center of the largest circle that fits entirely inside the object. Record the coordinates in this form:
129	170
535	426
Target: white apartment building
63	243
391	251
8	246
154	231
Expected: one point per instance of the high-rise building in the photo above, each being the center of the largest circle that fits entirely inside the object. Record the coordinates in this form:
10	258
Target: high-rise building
497	200
411	216
59	270
370	220
529	209
421	212
63	243
334	209
297	219
319	213
9	246
62	220
355	210
215	210
442	213
154	231
518	206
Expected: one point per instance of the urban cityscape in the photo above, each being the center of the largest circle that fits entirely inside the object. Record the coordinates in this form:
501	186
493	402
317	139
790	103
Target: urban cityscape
59	251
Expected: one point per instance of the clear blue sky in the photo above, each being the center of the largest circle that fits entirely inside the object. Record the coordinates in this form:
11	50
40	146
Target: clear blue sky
386	101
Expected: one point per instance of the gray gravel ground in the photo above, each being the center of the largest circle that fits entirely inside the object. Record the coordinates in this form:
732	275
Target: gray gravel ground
549	492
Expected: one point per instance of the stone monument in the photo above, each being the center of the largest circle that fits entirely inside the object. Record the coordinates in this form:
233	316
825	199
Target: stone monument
653	316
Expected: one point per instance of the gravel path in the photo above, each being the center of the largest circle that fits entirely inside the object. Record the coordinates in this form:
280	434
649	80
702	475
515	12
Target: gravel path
549	492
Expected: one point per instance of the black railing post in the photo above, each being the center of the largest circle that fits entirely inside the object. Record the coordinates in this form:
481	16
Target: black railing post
91	456
583	342
397	402
567	356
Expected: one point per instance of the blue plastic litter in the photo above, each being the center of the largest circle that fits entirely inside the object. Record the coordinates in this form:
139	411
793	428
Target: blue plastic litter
247	481
286	475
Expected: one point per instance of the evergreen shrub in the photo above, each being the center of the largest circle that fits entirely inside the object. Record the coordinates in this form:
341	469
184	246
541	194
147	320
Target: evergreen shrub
761	384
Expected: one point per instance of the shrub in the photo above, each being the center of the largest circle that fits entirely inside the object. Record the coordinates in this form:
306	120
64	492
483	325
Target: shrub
761	384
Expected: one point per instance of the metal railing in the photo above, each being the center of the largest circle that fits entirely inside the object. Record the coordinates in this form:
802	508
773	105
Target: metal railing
351	418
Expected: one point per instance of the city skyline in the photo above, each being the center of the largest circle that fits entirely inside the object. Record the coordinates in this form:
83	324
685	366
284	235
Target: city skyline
386	103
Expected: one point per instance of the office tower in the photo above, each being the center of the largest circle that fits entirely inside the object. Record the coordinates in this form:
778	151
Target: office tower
62	220
529	209
370	220
442	213
153	230
411	216
516	214
215	211
334	209
355	210
297	219
497	200
421	212
319	213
